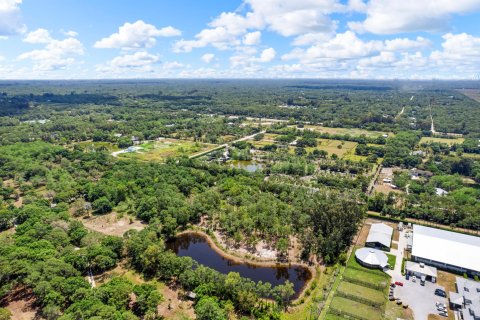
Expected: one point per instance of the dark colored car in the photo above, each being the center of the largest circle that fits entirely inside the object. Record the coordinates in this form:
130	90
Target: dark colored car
441	293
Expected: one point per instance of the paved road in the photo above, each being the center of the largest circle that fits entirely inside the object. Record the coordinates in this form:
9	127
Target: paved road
225	145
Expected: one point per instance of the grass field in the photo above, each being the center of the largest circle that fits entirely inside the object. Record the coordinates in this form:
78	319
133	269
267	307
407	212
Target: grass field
334	317
391	259
355	308
365	276
362	292
160	150
442	140
350	131
338	147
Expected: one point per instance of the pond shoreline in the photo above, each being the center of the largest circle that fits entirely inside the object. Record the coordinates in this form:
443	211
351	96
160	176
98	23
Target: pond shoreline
243	260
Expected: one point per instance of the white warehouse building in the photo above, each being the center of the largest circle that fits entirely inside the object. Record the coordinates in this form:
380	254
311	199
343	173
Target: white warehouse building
446	250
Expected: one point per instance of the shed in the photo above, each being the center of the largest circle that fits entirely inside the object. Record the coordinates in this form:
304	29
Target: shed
421	270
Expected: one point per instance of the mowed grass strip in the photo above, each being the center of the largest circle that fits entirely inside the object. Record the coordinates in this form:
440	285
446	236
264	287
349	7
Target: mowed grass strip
375	296
366	277
442	140
330	316
350	307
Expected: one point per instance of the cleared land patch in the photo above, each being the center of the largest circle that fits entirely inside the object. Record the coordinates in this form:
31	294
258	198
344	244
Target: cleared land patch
162	149
350	131
442	140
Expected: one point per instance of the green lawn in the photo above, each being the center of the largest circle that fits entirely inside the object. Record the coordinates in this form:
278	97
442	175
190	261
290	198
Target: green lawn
367	277
442	140
330	316
355	308
391	259
362	292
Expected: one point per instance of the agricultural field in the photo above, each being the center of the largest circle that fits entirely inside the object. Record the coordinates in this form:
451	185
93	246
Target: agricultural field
350	131
162	149
471	93
338	147
442	140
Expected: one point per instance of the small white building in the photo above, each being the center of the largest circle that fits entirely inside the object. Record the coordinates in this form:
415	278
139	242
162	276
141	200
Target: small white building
421	271
440	192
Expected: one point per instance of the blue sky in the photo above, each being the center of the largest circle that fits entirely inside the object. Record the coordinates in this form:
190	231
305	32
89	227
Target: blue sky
407	39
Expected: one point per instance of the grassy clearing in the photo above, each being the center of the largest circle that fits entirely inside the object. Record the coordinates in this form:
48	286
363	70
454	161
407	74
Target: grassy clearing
361	292
338	147
442	140
330	316
350	131
355	308
391	259
160	150
367	277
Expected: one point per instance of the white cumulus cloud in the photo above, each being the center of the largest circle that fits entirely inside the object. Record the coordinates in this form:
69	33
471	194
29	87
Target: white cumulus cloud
136	35
57	54
252	38
38	36
208	57
393	16
10	18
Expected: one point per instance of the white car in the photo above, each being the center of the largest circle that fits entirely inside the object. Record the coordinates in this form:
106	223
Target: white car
414	279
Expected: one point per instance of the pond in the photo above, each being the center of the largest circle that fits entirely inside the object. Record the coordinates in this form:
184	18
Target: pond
197	247
248	165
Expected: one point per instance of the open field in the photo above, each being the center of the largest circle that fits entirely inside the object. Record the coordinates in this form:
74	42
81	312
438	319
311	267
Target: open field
338	147
361	292
350	131
442	140
471	93
348	306
162	149
112	225
365	276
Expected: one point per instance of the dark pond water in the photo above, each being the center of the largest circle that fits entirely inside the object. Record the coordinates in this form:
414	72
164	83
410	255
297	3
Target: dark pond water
248	165
197	247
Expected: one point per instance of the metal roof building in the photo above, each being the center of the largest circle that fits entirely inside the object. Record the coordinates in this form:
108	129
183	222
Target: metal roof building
380	236
371	258
467	299
421	270
446	250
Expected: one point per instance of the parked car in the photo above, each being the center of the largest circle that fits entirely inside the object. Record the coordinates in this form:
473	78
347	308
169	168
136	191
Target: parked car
444	314
439	304
398	283
441	293
392	285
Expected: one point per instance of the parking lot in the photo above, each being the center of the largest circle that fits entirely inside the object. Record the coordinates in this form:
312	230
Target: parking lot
421	299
